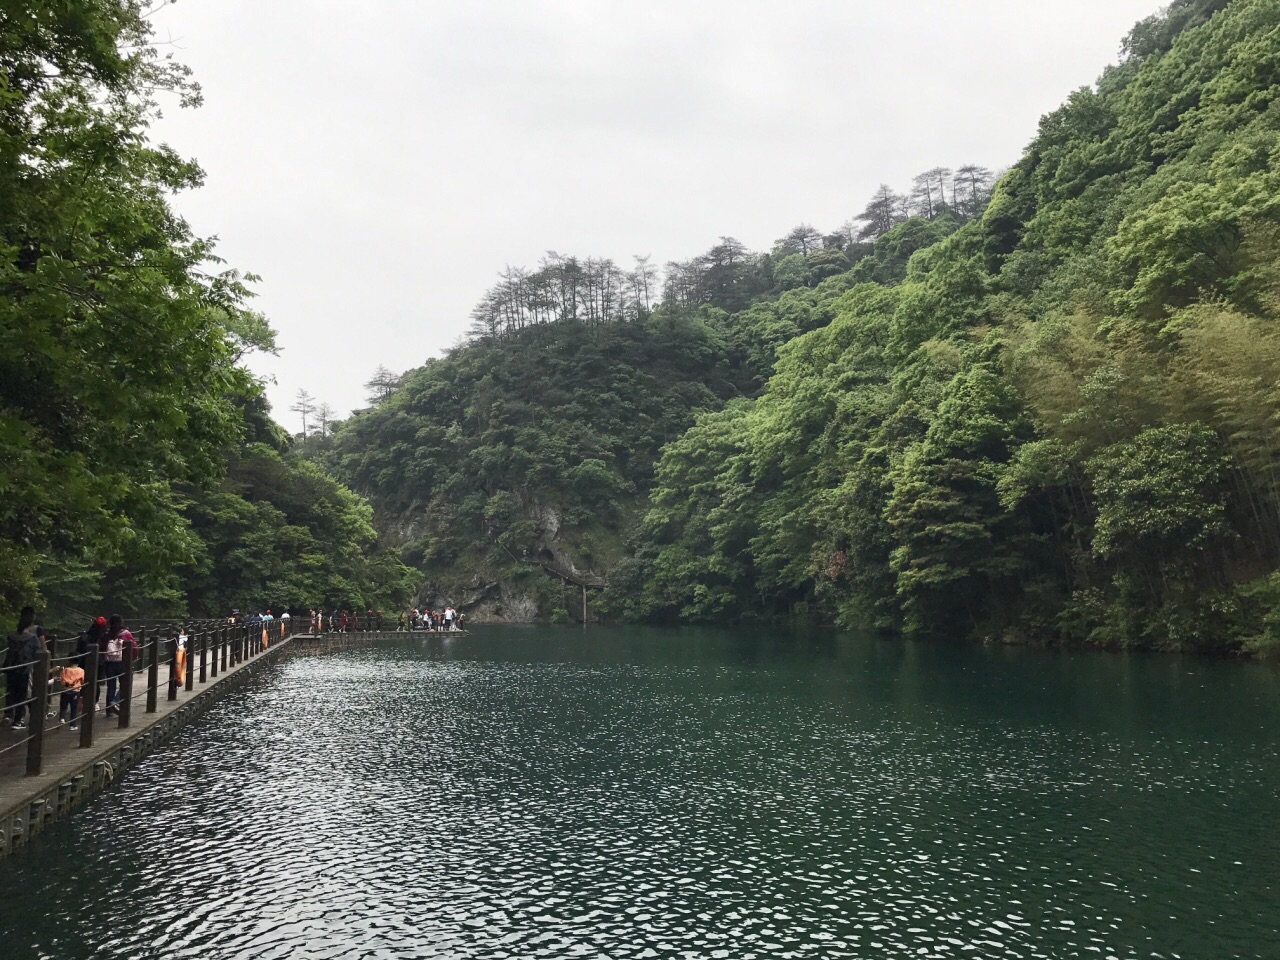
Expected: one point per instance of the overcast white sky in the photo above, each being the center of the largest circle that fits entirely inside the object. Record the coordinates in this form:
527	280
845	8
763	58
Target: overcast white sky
379	162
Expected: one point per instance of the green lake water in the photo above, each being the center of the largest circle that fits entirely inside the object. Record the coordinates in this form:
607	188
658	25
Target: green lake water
554	792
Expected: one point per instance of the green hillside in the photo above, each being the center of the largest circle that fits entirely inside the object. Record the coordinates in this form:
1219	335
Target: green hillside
535	446
1062	423
1043	411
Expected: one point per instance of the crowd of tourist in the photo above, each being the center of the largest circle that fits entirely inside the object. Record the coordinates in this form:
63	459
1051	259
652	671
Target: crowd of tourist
345	621
445	618
109	638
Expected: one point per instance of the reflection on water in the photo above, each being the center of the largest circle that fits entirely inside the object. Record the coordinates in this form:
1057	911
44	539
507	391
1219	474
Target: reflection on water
548	793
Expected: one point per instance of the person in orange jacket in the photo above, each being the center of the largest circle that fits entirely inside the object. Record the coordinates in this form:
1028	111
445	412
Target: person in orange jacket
180	656
72	678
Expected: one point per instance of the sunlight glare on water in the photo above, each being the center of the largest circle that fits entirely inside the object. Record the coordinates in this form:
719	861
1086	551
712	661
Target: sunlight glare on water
525	793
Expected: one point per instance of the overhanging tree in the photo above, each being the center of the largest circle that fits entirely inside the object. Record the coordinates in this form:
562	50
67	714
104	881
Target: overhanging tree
118	327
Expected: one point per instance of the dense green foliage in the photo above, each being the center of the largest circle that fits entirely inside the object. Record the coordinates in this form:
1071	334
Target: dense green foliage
121	396
537	441
1043	407
1039	409
536	445
1060	421
279	531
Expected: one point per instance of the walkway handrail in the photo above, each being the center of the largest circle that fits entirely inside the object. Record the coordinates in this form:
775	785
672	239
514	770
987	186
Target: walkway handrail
212	646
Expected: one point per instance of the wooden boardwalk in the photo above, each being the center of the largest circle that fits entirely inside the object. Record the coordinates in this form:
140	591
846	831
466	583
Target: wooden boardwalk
70	774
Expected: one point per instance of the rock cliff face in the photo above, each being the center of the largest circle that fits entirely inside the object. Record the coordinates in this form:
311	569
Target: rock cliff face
522	586
548	549
499	603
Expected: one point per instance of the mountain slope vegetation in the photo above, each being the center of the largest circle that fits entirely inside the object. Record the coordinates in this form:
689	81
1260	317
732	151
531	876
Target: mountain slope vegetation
1061	423
1041	410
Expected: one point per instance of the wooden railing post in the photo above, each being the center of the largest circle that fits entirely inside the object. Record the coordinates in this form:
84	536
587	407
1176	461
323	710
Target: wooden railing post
190	663
204	656
89	695
39	694
126	685
153	673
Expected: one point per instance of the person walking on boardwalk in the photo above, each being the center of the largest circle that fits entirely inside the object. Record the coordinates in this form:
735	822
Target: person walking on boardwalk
95	635
72	678
180	656
20	654
117	639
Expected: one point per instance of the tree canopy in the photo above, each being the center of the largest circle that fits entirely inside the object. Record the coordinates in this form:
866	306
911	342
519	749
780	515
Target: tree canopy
121	332
1052	420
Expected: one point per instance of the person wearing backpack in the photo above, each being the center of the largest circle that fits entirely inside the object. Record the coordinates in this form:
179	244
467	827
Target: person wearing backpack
117	639
20	654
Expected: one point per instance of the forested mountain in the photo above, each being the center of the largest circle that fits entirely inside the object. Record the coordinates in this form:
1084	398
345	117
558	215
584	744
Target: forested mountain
1046	410
535	443
122	394
535	446
1038	406
1061	423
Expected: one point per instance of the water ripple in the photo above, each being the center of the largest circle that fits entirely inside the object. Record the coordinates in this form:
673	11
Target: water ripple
426	800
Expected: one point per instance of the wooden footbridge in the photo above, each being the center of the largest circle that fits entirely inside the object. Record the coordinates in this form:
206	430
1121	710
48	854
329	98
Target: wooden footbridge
585	581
